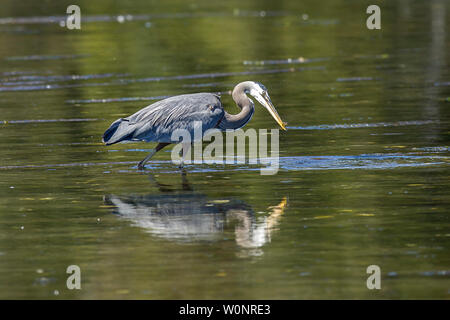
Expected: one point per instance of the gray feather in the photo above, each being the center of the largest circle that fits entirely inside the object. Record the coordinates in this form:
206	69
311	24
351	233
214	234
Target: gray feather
156	122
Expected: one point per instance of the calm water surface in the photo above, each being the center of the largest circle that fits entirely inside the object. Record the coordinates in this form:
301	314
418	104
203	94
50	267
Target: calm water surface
364	165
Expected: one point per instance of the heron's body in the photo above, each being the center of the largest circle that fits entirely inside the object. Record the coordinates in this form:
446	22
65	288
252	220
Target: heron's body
157	122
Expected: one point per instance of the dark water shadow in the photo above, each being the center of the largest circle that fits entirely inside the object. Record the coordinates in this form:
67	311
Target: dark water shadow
183	215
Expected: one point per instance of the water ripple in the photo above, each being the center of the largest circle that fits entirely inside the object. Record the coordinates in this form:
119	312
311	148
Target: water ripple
364	161
52	78
352	79
298	60
351	162
434	149
50	86
125	81
46	57
365	125
56	165
203	85
139	17
220	74
123	99
126	99
44	121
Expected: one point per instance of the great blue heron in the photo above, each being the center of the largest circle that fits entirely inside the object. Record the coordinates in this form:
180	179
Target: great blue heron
158	121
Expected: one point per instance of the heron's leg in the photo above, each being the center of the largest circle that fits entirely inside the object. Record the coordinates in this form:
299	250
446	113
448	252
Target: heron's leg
186	146
151	154
148	157
184	181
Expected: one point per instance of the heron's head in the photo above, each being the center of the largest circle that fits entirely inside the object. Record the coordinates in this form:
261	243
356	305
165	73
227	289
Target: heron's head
259	92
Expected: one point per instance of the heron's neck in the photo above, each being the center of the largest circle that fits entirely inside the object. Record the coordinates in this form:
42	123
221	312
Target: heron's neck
236	121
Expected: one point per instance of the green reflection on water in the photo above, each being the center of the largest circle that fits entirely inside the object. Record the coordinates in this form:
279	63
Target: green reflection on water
371	189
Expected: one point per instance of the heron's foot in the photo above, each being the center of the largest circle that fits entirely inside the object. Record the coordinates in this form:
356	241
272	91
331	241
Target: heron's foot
141	166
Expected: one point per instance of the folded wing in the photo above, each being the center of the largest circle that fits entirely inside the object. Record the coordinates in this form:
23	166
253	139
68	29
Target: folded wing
158	121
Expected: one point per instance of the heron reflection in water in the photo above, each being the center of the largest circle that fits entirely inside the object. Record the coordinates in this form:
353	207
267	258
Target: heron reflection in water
188	216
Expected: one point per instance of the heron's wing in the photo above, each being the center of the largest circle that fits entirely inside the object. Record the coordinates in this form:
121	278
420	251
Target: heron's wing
158	121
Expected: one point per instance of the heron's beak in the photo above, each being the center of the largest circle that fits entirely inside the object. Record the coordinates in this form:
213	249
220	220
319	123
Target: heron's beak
264	99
